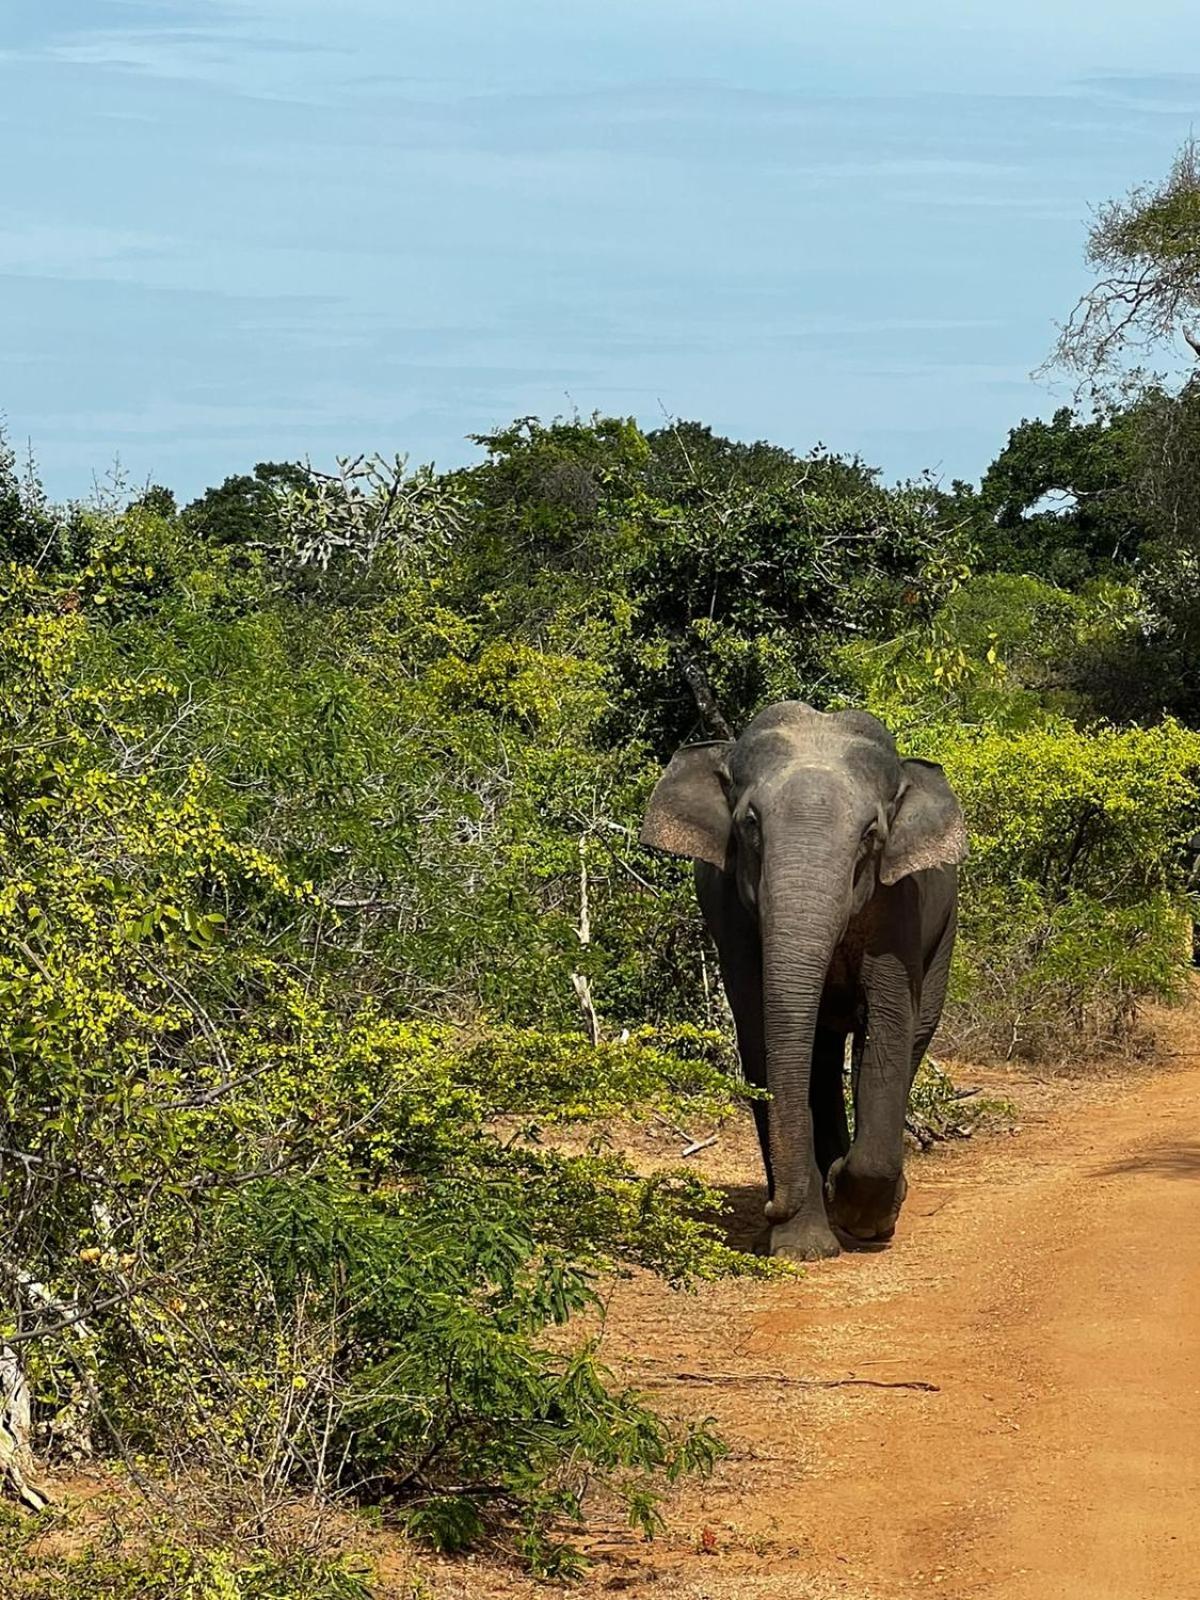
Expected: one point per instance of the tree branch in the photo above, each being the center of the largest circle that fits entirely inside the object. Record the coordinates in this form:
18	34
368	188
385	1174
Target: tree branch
706	702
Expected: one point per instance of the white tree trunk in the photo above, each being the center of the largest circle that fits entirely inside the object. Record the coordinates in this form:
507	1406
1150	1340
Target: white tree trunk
17	1469
578	979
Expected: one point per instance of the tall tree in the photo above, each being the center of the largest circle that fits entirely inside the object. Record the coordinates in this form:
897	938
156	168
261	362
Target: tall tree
1144	250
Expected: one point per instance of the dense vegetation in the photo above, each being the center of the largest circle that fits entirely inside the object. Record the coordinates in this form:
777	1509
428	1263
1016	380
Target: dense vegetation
324	918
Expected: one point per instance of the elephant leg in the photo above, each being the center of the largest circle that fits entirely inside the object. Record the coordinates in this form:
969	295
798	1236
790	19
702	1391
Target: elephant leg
803	1233
933	994
748	1024
827	1099
740	956
867	1188
857	1049
762	1126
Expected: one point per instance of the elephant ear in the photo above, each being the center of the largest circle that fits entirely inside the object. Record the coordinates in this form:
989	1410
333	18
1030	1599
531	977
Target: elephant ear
688	814
928	829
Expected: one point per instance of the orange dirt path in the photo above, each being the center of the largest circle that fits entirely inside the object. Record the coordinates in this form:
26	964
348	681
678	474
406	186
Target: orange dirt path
1045	1286
1003	1404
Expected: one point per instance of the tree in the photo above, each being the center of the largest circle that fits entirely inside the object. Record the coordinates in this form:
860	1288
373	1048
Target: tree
757	585
157	499
31	528
709	576
213	1093
1059	502
1160	669
1145	251
238	511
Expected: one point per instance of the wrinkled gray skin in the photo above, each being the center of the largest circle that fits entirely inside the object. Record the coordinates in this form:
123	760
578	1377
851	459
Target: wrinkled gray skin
826	874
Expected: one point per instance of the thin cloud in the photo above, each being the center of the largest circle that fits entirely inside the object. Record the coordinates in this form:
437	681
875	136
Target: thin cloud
29	245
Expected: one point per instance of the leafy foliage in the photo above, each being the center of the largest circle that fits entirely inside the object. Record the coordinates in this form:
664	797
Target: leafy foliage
1002	652
209	1100
1061	501
1073	906
157	1566
329	953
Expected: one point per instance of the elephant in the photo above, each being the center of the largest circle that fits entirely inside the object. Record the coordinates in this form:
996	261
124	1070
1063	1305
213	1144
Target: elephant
826	871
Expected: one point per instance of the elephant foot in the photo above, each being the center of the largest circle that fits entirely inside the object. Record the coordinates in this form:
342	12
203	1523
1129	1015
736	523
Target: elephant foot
864	1207
804	1239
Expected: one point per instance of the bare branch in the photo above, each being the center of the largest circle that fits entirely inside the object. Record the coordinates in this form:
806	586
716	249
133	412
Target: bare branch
706	702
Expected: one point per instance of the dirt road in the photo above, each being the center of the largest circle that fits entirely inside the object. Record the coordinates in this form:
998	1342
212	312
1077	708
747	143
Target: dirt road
1023	1412
1003	1404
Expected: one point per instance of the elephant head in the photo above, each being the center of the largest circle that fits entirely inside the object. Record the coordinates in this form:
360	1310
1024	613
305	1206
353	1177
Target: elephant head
814	815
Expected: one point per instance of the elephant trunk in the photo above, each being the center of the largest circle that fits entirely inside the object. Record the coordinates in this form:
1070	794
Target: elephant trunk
802	922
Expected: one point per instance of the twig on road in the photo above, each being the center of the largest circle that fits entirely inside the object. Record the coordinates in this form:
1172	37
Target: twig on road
735	1380
697	1145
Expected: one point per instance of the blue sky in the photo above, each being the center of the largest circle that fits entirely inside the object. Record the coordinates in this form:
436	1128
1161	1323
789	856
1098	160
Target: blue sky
236	230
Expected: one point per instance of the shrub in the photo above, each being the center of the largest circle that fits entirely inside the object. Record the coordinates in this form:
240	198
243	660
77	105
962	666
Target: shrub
257	1221
154	1564
1072	905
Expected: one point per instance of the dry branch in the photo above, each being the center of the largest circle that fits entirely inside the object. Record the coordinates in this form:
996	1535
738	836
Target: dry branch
706	702
734	1380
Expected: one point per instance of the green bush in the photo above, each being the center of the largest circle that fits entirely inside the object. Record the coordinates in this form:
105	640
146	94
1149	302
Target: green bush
257	1220
1072	903
1002	652
150	1564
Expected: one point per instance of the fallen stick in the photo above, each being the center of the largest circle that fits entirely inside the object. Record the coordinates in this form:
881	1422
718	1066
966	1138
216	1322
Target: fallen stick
734	1379
696	1146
